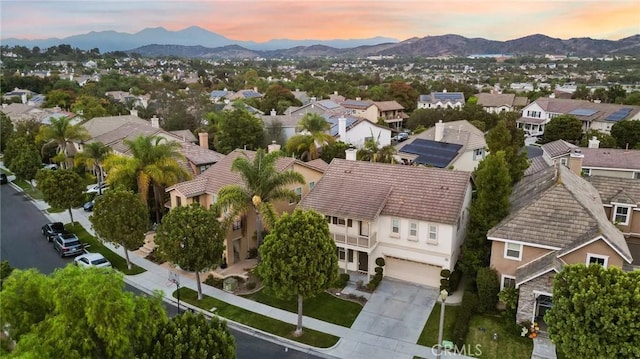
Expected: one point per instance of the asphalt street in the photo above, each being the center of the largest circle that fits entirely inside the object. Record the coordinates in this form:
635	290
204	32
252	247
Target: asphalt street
22	244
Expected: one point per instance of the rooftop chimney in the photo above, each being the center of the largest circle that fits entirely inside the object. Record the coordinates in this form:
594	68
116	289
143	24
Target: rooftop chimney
351	154
273	112
155	121
133	112
439	131
358	98
335	93
575	161
24	98
594	142
342	129
273	147
203	138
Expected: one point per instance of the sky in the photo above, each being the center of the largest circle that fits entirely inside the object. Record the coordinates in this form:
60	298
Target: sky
263	20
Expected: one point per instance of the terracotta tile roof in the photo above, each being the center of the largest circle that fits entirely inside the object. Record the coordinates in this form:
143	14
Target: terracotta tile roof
495	99
185	135
558	148
100	125
318	164
557	209
613	189
363	190
536	165
611	158
388	105
220	174
199	155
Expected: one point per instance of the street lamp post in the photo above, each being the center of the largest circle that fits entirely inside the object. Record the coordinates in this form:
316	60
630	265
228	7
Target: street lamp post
443	297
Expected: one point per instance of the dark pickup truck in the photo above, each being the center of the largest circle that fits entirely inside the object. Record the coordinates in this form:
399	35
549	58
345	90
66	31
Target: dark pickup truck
50	230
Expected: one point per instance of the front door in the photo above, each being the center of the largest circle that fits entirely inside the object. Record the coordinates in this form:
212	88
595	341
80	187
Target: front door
363	262
543	303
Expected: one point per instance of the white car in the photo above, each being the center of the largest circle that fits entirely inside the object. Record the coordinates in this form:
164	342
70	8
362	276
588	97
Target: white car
92	260
95	188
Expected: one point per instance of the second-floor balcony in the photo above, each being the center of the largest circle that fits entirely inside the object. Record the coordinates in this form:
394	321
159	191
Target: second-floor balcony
366	242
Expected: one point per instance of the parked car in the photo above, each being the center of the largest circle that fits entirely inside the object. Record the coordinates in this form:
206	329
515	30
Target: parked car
92	260
67	244
88	207
50	166
3	178
97	188
51	230
402	136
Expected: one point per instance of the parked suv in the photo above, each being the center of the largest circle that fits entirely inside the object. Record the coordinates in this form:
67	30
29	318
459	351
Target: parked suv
51	230
67	244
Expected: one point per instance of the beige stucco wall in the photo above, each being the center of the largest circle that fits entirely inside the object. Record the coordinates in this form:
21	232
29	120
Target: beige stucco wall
508	266
599	247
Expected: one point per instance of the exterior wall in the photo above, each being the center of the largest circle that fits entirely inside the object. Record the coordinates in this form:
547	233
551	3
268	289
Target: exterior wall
527	299
611	172
499	109
356	135
579	256
461	228
535	107
508	266
634	228
466	161
603	126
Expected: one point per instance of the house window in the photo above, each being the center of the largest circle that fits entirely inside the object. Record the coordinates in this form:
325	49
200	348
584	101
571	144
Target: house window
563	161
413	229
311	185
395	227
298	195
341	253
636	175
478	154
328	219
513	251
364	228
350	255
586	172
597	259
195	199
178	201
349	223
621	215
204	168
341	221
508	282
433	233
237	224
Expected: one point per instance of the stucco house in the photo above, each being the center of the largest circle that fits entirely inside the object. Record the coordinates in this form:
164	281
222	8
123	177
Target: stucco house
391	112
556	218
361	108
203	189
413	217
442	99
501	102
356	131
456	144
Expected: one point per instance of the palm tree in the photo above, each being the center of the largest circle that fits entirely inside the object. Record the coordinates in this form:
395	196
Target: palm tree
153	162
372	152
316	126
92	156
262	185
62	132
303	147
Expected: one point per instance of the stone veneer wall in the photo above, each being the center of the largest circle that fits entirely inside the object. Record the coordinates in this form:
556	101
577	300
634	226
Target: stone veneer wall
527	298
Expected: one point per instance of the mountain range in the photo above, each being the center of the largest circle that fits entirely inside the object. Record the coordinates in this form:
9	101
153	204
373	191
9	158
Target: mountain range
196	42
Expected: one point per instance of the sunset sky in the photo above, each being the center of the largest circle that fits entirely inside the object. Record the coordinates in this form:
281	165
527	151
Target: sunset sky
263	20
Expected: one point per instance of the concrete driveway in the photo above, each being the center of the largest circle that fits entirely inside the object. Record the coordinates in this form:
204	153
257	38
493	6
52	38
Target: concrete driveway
397	310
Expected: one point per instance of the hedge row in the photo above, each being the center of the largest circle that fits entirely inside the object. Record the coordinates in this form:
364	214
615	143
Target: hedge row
467	309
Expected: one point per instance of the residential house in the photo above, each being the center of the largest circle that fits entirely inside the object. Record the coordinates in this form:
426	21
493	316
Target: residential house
413	217
19	112
457	144
203	189
499	102
593	115
359	108
556	218
391	112
442	99
218	95
244	94
129	99
621	200
356	130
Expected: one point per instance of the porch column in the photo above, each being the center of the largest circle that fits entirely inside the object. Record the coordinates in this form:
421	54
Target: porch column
346	250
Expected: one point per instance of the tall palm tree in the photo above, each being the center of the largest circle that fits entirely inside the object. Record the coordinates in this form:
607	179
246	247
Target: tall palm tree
62	132
93	155
317	127
373	152
262	185
303	147
153	163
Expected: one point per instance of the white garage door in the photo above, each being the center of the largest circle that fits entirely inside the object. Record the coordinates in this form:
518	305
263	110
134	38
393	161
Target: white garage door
411	271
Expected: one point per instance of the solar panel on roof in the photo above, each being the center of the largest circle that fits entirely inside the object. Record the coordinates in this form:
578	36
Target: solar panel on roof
328	104
432	153
619	115
583	112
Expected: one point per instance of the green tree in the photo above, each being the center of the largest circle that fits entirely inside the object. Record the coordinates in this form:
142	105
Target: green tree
190	335
59	97
373	152
488	288
581	93
239	129
279	98
298	258
563	127
595	312
193	238
303	147
5	271
505	136
152	167
61	189
24	158
6	130
81	312
119	217
606	140
334	150
626	133
62	132
262	185
317	126
93	155
90	106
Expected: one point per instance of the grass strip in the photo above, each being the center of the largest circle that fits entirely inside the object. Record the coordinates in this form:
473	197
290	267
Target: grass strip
429	335
26	187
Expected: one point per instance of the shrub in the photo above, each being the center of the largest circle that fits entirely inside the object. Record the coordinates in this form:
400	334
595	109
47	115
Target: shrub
380	262
155	256
341	281
445	273
467	309
454	280
253	253
379	270
213	281
444	284
374	282
488	286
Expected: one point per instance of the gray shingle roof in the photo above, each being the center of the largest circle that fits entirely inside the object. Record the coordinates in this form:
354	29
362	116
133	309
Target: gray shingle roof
100	125
459	132
536	165
495	99
538	267
611	189
558	148
557	209
611	158
363	190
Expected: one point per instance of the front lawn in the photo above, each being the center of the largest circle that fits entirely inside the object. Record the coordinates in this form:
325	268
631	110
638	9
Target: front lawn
324	307
508	345
429	335
117	261
255	320
26	187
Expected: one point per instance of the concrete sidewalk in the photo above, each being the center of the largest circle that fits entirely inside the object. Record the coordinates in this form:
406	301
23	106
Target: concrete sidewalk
354	343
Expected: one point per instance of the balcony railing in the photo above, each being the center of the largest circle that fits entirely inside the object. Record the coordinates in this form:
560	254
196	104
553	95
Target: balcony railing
355	240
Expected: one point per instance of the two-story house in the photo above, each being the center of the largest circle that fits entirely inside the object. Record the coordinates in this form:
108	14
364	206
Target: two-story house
356	131
361	108
413	217
442	99
457	144
556	218
203	189
391	112
501	102
621	200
